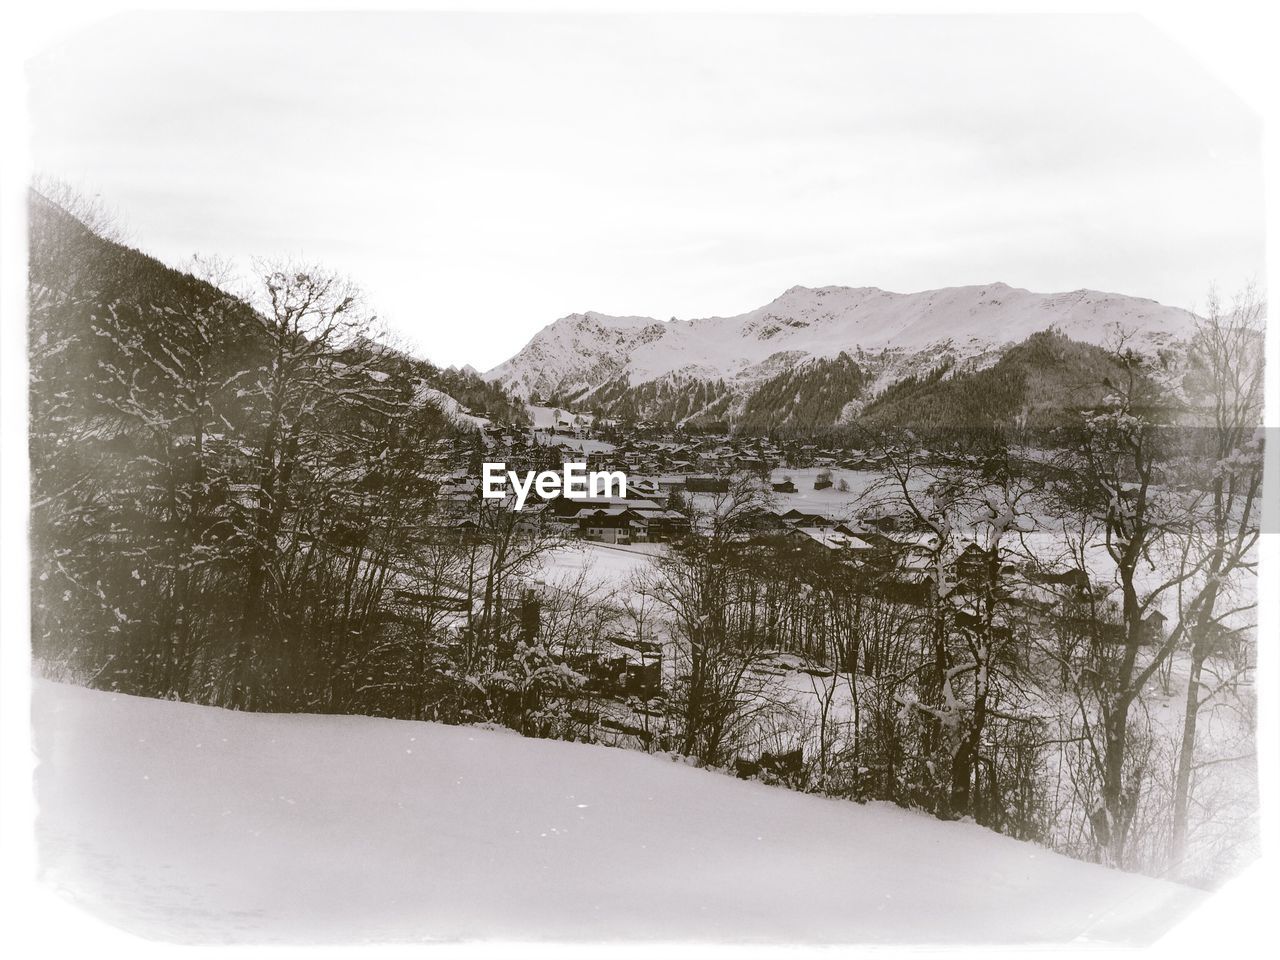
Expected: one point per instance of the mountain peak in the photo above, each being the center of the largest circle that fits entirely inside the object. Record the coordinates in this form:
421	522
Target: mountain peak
801	290
580	353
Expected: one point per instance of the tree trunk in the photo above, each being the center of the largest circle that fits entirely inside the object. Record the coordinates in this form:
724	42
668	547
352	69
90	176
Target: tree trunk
1186	756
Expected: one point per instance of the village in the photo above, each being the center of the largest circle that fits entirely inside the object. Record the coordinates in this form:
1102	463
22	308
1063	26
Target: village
662	470
815	502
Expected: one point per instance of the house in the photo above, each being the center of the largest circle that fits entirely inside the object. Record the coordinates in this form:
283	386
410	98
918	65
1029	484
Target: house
612	525
570	507
911	560
798	518
1153	627
532	518
890	519
1073	579
643	487
974	565
822	483
457	529
786	486
831	540
666	524
763	519
649	521
643	679
614	669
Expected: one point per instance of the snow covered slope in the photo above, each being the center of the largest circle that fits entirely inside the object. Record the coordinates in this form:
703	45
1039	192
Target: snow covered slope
198	824
451	408
590	349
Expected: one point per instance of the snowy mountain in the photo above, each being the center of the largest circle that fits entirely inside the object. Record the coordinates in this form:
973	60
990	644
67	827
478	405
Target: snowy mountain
197	824
893	333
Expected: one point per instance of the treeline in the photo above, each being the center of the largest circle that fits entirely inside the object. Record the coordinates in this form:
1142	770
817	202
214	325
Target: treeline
477	395
806	399
1037	386
678	400
229	493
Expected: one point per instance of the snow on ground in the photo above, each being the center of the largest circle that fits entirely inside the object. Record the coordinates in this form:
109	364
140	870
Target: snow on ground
603	567
448	405
831	502
199	824
547	418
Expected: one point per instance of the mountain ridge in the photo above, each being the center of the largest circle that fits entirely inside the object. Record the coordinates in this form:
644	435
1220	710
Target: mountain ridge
594	358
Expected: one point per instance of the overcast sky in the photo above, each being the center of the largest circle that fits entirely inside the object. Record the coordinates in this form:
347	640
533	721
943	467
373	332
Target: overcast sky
480	176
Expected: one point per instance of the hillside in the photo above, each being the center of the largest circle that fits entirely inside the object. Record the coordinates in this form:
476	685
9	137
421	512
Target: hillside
1038	384
198	824
603	361
91	295
184	447
675	399
809	397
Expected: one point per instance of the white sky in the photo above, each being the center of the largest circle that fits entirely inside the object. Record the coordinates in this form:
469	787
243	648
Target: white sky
481	175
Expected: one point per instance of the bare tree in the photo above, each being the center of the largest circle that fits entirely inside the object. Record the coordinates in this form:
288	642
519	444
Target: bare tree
93	212
1222	529
316	363
706	587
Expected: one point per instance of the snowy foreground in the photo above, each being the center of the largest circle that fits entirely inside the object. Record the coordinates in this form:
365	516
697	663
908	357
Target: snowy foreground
198	824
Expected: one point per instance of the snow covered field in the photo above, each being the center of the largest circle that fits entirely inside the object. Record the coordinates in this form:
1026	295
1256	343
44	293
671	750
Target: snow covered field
199	824
831	502
603	567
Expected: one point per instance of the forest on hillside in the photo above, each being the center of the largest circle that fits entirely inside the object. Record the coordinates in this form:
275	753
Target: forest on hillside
221	483
677	400
804	400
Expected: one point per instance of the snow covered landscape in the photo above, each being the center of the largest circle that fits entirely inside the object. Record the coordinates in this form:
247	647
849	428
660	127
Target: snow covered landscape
785	679
916	604
196	824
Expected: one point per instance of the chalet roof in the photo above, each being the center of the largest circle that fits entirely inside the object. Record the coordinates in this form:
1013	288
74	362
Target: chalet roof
588	503
664	515
832	539
800	516
586	516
